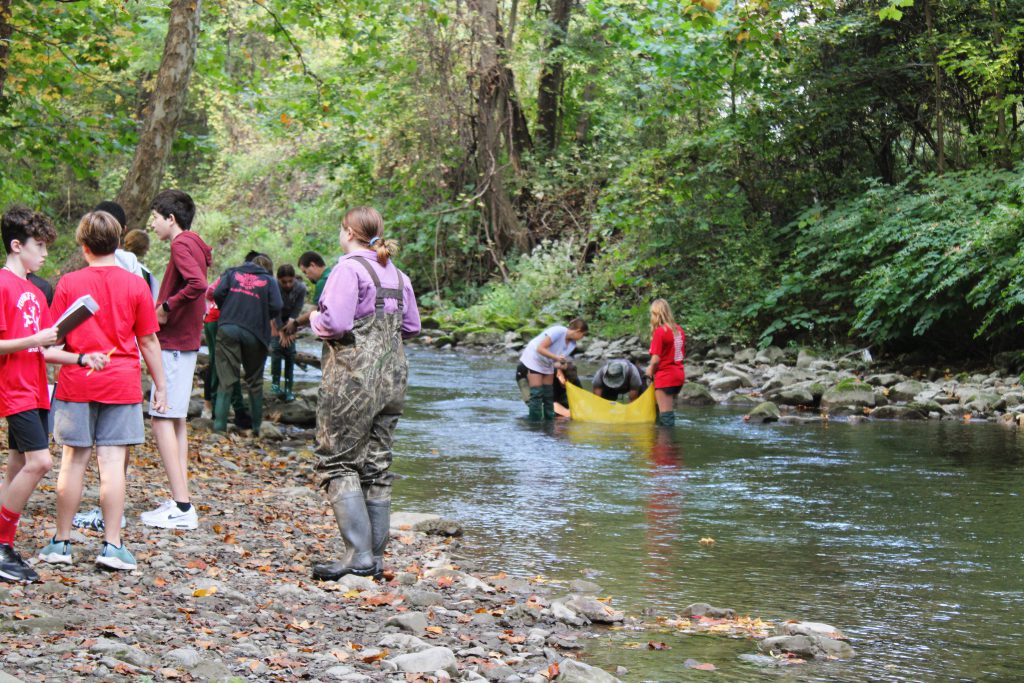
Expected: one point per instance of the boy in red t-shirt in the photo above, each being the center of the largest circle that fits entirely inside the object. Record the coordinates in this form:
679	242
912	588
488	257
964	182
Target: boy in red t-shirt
668	347
103	409
25	328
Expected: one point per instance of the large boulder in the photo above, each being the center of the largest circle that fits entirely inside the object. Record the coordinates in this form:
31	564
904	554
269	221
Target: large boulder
807	646
849	393
892	412
693	394
725	384
764	412
791	396
742	373
906	391
301	412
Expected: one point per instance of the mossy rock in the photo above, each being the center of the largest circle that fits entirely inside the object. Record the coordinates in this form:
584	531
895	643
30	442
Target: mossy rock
505	323
461	333
528	333
430	323
694	394
440	342
763	412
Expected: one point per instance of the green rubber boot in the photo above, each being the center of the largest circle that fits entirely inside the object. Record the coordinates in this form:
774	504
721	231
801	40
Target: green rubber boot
549	402
667	419
536	404
256	411
221	408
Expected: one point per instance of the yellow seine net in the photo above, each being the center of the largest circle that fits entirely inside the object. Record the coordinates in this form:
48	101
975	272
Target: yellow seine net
585	407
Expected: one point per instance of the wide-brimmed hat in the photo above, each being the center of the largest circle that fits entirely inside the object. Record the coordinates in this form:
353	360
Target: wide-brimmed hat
615	374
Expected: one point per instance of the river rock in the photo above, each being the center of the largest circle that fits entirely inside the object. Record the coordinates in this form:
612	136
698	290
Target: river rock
849	393
720	352
792	396
764	412
439	527
769	356
892	412
888	379
185	657
743	374
809	628
693	372
693	394
745	355
906	391
584	587
805	358
808	647
562	613
595	610
484	338
427	661
703	609
403	642
301	412
725	384
572	671
413	622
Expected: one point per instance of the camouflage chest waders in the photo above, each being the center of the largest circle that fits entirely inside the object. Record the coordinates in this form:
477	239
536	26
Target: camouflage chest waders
361	398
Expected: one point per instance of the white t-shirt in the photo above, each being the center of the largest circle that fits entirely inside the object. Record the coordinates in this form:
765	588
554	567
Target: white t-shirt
560	346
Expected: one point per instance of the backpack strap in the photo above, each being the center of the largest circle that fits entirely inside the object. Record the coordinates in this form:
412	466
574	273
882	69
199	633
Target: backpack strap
382	292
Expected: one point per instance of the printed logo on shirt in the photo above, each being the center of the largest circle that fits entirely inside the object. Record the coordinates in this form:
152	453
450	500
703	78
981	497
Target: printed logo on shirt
28	304
247	283
677	340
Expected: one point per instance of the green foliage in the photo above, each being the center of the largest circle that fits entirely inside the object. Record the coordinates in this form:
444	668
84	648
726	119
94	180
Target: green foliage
936	257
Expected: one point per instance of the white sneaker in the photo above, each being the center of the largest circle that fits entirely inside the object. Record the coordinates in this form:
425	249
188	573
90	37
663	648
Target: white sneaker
173	518
160	509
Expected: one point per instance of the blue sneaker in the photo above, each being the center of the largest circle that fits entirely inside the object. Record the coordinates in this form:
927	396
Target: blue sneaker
56	552
114	557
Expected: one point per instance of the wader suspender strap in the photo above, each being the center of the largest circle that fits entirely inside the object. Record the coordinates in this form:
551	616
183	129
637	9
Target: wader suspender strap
382	292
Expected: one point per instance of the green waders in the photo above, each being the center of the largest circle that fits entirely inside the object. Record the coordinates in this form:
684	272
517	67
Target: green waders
361	398
549	401
536	404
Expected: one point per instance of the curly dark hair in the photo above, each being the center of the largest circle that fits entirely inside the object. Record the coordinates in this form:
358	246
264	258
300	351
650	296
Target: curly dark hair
20	223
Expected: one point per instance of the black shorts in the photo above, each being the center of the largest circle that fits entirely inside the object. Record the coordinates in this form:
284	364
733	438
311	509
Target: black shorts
27	431
672	391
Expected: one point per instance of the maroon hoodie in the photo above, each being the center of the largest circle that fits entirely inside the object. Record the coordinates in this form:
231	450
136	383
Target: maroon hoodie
184	288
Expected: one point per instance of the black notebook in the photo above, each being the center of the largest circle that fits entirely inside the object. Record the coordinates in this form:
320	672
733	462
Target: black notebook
80	311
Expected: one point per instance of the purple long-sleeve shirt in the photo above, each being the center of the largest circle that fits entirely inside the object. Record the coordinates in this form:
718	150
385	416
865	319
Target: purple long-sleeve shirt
350	295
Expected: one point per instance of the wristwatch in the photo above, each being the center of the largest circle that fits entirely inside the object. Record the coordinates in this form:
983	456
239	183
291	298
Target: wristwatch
80	357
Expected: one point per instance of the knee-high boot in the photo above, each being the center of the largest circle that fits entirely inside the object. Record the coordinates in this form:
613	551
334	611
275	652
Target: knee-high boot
378	507
354	524
549	402
221	407
536	404
667	418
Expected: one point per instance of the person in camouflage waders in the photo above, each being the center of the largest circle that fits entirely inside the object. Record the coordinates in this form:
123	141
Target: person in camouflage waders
367	308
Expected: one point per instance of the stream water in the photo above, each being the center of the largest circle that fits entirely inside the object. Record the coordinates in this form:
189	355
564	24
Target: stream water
906	536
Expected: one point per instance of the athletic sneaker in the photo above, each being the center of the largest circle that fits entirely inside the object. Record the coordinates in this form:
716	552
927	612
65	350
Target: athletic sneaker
93	519
173	518
56	552
13	568
160	509
116	558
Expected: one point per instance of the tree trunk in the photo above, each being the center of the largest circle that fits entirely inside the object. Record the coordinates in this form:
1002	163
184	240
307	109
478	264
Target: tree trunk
162	113
6	31
551	75
502	230
940	136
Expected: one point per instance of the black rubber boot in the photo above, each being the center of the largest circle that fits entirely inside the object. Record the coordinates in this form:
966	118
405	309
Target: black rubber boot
549	402
536	404
354	524
378	507
667	418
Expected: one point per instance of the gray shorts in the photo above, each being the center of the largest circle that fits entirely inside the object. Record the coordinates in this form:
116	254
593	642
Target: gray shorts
179	368
81	425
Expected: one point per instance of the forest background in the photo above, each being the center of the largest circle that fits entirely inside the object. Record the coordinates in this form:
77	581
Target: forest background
814	171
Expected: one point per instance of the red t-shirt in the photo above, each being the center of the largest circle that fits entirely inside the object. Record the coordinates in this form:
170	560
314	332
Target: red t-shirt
125	312
670	347
23	312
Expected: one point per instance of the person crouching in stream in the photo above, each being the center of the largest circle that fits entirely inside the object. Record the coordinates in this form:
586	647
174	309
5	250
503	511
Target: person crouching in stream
367	308
545	353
